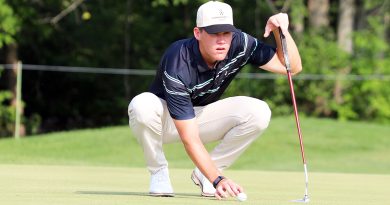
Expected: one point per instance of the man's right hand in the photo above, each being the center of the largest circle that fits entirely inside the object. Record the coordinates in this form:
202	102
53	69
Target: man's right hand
189	134
226	188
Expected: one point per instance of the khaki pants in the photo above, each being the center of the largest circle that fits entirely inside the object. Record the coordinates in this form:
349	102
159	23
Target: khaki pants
236	122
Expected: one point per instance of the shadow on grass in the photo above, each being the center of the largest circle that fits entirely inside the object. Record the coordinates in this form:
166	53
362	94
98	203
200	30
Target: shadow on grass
125	193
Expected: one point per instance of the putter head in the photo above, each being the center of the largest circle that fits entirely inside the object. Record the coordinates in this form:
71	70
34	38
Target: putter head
305	199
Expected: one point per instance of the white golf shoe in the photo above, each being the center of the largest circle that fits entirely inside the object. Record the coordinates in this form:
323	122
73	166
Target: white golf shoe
160	184
206	188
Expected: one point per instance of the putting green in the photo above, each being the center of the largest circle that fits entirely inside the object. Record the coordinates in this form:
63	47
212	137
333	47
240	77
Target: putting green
47	185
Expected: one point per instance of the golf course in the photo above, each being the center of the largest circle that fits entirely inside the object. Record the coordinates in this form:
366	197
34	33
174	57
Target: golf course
348	163
292	98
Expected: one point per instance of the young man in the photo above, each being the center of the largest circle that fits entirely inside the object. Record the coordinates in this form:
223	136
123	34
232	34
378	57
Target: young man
184	100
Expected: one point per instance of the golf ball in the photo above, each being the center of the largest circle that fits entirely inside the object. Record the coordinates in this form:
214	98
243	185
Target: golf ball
241	197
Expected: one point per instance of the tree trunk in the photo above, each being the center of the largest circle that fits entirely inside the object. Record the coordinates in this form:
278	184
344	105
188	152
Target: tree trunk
318	13
361	13
344	40
345	25
12	58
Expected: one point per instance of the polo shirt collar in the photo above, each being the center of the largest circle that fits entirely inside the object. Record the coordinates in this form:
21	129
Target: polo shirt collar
200	63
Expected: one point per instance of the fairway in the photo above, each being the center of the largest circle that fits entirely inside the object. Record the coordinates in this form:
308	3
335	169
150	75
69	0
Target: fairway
76	185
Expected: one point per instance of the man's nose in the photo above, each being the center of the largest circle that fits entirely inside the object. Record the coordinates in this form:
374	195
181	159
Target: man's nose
221	38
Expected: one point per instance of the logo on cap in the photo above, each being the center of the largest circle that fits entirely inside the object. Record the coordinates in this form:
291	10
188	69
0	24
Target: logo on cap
220	12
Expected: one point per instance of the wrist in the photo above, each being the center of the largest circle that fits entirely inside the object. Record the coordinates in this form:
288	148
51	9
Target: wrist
217	180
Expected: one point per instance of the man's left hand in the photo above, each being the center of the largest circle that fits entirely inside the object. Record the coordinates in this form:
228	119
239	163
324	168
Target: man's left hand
276	21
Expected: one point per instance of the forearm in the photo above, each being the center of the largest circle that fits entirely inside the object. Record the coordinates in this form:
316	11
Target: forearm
293	53
189	134
201	158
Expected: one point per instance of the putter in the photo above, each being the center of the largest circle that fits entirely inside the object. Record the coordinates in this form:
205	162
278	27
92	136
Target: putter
287	62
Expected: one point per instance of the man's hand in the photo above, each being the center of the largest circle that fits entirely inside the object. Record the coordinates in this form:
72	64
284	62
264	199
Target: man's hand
276	64
189	134
226	188
275	21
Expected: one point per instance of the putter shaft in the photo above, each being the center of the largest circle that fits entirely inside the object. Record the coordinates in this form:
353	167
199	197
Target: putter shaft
288	69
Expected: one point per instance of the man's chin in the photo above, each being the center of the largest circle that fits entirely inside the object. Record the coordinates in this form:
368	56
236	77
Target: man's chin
220	57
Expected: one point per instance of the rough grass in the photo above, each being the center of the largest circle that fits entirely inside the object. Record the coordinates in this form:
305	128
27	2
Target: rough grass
330	146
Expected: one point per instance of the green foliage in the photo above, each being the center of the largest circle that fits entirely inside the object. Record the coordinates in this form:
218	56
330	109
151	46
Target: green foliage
298	9
9	24
7	114
134	34
321	56
166	3
33	124
371	99
315	98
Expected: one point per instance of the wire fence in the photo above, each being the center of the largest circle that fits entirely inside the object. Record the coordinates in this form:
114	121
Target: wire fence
151	72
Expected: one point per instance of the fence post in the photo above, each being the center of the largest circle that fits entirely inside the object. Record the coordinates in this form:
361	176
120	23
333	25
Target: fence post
18	99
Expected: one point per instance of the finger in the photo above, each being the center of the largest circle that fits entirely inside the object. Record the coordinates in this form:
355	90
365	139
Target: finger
266	32
283	23
217	196
268	28
221	192
240	189
236	190
274	21
284	28
284	31
229	190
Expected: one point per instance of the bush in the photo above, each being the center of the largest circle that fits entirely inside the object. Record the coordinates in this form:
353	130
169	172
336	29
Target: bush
7	114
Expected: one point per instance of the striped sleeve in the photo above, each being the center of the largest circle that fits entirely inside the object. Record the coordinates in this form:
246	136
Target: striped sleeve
176	92
261	53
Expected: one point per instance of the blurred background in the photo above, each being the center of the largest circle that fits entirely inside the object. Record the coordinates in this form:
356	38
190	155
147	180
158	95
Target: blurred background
84	60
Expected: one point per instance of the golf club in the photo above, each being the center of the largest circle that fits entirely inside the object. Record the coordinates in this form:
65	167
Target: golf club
287	62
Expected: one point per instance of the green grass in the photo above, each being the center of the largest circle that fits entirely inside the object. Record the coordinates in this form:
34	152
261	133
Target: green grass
78	185
106	166
330	146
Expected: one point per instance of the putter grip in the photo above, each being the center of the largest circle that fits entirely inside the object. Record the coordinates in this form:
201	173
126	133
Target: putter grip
284	48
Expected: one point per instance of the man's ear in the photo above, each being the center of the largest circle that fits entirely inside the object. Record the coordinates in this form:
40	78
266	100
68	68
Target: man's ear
197	33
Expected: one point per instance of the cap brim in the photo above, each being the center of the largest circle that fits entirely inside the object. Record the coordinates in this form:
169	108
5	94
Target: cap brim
220	28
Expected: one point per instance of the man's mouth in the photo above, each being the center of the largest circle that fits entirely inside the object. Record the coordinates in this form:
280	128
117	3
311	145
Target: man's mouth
220	50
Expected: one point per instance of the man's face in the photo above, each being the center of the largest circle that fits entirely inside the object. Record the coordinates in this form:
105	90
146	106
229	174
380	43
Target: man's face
213	47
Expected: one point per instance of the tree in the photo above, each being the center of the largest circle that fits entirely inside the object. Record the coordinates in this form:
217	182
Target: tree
371	56
134	34
318	13
9	25
345	25
344	41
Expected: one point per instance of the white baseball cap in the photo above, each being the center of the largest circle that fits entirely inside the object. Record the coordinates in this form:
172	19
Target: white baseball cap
215	17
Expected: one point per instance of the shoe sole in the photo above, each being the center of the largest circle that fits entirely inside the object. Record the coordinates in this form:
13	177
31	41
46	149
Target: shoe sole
162	194
196	181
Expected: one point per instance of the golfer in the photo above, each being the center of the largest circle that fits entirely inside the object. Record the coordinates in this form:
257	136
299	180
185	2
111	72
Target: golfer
183	103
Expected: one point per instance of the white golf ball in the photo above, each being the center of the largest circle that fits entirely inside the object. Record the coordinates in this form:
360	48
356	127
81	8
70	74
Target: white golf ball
241	197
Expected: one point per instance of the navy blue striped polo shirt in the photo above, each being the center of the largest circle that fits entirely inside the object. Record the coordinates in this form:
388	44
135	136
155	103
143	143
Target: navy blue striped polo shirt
184	80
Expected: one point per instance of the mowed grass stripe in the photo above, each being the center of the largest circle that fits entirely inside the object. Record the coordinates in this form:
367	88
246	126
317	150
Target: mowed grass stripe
47	185
330	146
